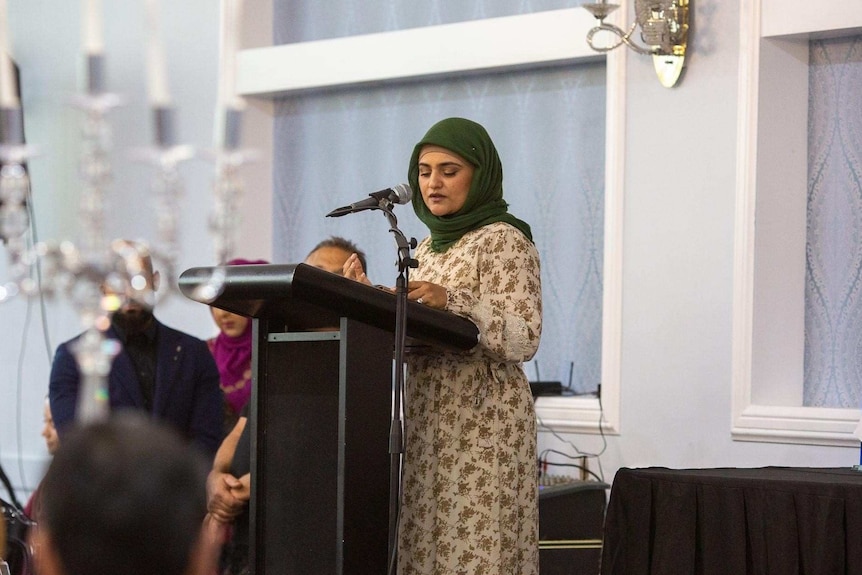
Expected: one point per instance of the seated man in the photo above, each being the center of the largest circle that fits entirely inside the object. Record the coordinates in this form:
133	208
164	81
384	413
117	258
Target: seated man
159	370
124	496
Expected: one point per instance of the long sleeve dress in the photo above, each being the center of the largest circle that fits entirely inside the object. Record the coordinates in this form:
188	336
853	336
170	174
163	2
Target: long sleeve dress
469	485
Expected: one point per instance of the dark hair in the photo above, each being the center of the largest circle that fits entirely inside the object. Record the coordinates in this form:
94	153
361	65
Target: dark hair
124	496
342	244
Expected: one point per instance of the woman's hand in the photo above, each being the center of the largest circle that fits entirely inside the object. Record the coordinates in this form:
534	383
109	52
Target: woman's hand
427	293
352	269
224	496
242	490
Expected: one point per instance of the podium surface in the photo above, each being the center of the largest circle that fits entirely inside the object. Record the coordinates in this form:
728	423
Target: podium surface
304	297
322	366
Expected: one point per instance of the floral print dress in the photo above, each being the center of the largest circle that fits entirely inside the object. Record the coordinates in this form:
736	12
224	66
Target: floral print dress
469	501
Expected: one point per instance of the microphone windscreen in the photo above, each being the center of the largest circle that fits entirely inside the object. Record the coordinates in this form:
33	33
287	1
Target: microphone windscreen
404	193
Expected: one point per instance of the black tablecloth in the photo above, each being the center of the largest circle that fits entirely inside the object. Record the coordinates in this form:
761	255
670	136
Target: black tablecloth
764	521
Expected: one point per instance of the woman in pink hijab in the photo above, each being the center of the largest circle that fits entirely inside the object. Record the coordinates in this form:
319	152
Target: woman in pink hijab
231	349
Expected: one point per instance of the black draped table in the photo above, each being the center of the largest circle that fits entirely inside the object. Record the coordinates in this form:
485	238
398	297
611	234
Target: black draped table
734	521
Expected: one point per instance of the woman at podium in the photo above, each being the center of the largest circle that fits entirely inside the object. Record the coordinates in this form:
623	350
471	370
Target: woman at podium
469	500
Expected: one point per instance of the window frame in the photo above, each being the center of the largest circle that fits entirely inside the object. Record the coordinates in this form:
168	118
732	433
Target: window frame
544	38
768	299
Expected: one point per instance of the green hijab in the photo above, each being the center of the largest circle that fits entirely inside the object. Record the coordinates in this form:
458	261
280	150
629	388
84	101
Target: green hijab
484	204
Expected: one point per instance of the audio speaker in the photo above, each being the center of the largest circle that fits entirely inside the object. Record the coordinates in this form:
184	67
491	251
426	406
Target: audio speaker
571	518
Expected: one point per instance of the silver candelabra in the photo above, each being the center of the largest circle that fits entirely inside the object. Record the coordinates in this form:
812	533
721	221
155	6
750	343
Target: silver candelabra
98	275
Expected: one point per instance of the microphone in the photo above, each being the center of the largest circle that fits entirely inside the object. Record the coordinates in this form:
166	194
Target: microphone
400	194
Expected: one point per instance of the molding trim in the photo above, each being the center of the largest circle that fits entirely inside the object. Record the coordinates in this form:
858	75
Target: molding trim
752	421
798	425
743	240
799	17
581	414
612	298
540	38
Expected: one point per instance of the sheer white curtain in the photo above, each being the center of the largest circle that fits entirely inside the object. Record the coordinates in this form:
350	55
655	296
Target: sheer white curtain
833	281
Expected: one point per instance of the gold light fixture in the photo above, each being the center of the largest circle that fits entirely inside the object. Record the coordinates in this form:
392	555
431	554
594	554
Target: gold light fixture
664	30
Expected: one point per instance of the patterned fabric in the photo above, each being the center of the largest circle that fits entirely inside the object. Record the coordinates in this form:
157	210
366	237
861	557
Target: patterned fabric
833	254
233	359
306	20
470	495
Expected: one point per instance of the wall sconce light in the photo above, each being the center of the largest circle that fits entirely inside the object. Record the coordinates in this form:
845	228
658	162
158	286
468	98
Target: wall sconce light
664	30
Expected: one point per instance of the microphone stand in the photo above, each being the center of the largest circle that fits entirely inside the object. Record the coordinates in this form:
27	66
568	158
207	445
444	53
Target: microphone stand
396	429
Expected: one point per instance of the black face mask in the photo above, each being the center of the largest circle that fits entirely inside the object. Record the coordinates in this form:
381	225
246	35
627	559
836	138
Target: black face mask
133	321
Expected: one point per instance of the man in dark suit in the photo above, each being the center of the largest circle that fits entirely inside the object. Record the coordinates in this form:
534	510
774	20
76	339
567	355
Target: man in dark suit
159	370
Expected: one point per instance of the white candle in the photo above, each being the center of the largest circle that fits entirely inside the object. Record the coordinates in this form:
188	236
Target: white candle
92	20
8	84
238	101
232	28
231	11
157	81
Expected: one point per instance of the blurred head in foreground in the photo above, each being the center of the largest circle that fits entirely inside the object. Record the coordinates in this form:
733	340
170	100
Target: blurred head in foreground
123	496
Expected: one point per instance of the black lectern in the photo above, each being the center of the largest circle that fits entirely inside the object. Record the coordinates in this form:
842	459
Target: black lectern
320	414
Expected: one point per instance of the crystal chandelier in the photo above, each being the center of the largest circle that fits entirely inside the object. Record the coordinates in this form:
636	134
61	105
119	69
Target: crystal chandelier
87	269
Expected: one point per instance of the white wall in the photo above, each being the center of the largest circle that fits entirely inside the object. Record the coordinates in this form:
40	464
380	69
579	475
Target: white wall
678	243
678	268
